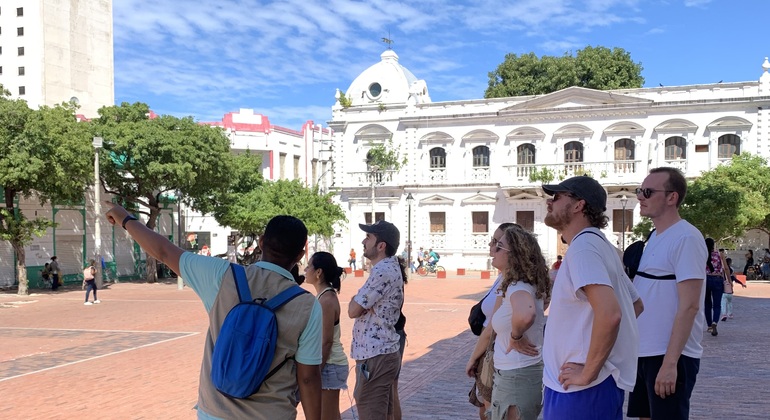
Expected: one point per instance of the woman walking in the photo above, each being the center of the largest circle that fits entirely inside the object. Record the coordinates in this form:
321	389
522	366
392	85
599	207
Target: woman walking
324	274
714	287
89	278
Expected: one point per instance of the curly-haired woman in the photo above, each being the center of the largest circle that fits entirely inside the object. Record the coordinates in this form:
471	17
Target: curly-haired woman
519	324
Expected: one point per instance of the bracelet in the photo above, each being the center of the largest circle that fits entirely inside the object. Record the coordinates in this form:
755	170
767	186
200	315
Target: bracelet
126	220
516	338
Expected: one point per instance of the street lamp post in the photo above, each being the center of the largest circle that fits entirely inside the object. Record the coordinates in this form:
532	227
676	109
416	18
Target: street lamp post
97	143
623	202
373	176
409	201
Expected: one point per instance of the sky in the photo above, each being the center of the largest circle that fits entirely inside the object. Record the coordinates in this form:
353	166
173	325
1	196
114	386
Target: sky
285	59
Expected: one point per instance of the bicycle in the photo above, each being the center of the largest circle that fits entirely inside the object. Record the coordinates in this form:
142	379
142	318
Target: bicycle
426	269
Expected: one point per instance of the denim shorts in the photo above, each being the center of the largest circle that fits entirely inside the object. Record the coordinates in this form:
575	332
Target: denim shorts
334	377
521	387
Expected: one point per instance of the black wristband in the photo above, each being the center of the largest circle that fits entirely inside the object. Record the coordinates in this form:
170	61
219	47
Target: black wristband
126	220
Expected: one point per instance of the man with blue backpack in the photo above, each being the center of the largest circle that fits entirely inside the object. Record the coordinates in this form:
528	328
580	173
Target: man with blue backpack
264	337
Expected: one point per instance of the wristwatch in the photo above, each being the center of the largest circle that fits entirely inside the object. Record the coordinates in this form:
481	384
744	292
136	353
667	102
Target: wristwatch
126	220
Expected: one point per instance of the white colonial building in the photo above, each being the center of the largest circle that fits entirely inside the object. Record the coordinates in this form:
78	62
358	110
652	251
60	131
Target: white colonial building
473	164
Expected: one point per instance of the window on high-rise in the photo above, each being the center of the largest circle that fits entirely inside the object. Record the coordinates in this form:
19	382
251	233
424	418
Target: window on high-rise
21	51
22	90
21	71
20	31
19	11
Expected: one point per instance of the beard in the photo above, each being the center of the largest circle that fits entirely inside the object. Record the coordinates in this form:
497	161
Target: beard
557	220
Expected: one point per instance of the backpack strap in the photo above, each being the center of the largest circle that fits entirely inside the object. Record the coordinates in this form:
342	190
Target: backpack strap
241	284
284	297
654	277
587	231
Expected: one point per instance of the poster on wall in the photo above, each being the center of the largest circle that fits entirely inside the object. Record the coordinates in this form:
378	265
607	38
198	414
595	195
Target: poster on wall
198	242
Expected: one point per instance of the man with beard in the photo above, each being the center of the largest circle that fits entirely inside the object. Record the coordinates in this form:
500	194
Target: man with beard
670	333
591	339
376	308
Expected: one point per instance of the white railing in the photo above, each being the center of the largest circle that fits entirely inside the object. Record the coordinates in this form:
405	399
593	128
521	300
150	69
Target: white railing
480	174
479	241
363	179
558	171
437	240
437	174
680	164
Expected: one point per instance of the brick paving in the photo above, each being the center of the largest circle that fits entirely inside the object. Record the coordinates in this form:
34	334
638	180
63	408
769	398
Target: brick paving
137	354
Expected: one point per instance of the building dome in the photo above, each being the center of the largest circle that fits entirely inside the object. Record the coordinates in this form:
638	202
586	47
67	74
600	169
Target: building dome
387	82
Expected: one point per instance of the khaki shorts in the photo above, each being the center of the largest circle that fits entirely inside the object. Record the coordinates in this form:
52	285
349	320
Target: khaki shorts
521	387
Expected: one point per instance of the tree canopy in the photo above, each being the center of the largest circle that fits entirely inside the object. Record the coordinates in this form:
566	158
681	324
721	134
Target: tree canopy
46	154
147	158
248	210
592	67
385	157
730	199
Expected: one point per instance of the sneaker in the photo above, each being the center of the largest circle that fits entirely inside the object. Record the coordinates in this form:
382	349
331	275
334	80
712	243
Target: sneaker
724	318
97	301
714	331
88	303
709	329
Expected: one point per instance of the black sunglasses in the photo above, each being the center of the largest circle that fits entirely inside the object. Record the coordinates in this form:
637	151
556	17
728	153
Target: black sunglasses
648	192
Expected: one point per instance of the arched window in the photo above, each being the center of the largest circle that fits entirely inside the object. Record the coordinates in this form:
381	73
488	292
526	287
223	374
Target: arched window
525	154
573	152
676	148
728	145
481	157
437	158
624	154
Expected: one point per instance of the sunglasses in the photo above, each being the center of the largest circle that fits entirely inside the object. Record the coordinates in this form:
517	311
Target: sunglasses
499	247
557	196
648	192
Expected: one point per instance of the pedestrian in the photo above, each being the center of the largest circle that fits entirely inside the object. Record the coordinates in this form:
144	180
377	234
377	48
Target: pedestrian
55	272
46	273
352	259
324	275
298	347
670	330
727	297
591	341
89	278
375	308
483	353
517	392
712	305
749	262
766	265
420	257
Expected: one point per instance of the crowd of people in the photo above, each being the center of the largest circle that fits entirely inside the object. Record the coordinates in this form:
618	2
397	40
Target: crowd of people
605	334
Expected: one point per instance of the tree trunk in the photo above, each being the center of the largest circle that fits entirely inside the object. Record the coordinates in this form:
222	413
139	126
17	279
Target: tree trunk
21	268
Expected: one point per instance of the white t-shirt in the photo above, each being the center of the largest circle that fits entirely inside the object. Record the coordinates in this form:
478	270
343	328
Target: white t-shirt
590	259
501	322
679	250
488	304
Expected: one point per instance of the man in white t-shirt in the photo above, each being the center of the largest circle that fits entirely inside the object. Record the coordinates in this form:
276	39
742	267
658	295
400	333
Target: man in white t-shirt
671	331
591	339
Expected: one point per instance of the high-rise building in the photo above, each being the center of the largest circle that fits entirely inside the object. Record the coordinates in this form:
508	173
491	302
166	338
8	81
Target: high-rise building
54	51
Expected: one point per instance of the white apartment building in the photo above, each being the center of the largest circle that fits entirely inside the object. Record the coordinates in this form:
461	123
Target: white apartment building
54	51
473	164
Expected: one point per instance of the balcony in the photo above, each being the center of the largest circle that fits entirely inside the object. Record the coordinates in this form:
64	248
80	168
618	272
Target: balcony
369	178
618	171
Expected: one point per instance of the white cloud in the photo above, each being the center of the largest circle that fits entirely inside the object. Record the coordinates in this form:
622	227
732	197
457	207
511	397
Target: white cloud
696	3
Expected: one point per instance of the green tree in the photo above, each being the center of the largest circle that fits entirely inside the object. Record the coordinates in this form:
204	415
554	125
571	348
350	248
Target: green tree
150	158
46	154
592	67
385	157
730	199
248	211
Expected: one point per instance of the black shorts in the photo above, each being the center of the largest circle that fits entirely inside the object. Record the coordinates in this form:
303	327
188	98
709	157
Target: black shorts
643	402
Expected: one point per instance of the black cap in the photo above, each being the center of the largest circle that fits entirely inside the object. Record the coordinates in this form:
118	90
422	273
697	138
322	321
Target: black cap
385	231
582	187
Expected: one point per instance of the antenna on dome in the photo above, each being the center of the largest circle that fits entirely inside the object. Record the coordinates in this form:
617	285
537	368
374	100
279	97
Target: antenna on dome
388	41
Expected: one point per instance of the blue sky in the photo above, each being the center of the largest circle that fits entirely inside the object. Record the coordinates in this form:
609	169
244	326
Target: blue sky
286	58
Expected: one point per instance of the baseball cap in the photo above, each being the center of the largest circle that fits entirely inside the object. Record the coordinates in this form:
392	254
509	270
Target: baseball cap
582	187
385	231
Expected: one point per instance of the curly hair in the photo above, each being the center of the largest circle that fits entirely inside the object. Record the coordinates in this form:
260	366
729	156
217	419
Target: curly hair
596	217
525	263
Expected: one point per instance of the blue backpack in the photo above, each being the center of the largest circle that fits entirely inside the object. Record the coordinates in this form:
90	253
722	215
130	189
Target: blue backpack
245	347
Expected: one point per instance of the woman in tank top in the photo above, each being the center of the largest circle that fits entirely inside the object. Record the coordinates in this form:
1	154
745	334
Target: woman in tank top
324	274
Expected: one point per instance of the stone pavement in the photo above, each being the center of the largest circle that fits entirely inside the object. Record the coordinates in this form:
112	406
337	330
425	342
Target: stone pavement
137	354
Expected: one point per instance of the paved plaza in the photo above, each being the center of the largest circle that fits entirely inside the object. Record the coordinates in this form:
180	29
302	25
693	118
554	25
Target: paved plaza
137	354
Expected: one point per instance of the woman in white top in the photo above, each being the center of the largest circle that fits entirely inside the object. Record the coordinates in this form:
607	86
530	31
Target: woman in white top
324	274
519	323
481	395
